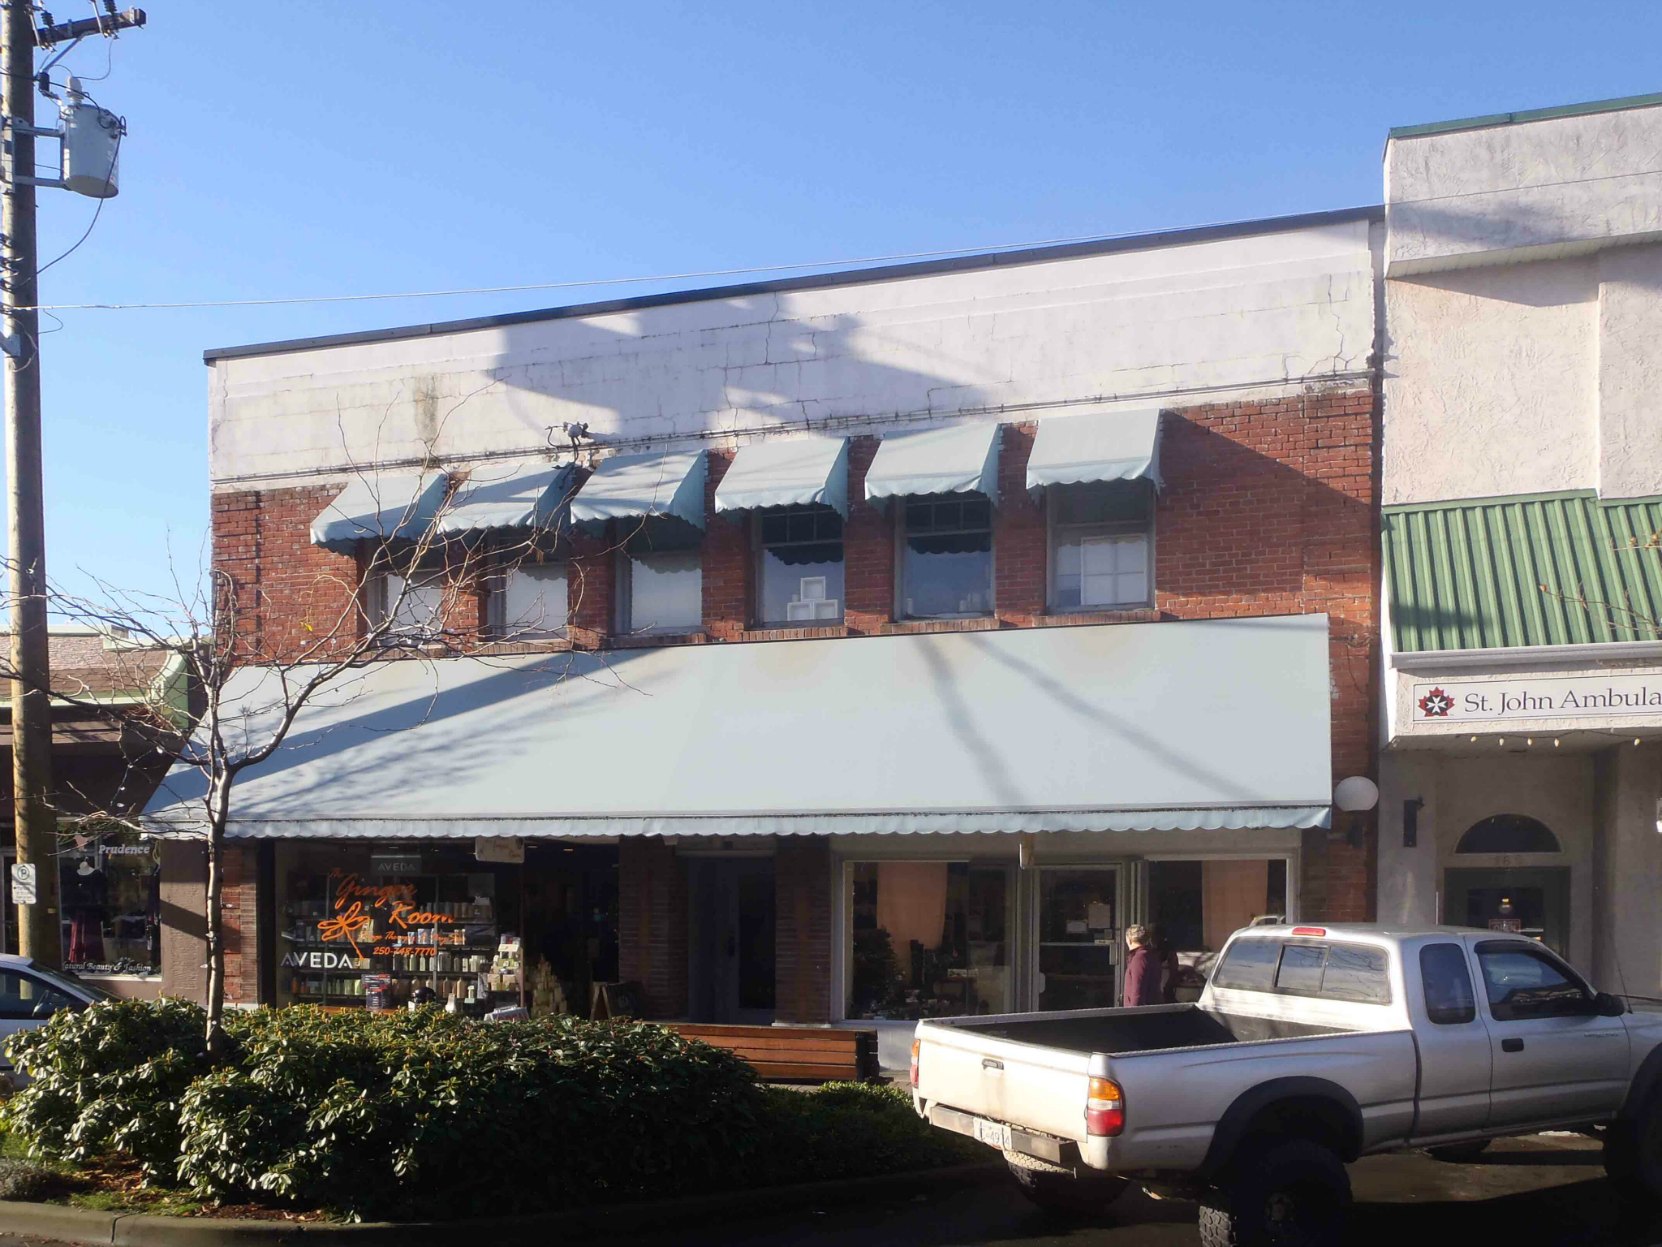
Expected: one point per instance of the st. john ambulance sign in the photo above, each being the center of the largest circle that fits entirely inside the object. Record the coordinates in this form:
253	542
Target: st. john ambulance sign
1538	697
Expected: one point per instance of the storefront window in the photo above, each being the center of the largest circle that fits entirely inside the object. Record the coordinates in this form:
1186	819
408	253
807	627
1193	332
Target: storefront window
376	927
1196	906
1079	939
111	900
928	939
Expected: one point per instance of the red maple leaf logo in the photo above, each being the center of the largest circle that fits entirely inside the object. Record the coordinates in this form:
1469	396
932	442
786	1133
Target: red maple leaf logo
1436	704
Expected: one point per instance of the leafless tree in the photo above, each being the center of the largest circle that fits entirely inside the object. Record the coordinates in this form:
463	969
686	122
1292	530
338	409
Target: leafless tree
417	593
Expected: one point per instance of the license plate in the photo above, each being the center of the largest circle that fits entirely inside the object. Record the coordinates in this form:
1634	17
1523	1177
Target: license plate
994	1133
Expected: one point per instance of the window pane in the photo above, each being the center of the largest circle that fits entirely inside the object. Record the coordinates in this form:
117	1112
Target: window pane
111	902
417	605
1358	974
948	575
1301	970
1523	984
1094	567
1448	985
802	584
24	996
927	939
534	600
1105	502
666	590
1249	965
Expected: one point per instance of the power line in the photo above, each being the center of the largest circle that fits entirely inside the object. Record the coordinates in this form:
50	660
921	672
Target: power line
589	282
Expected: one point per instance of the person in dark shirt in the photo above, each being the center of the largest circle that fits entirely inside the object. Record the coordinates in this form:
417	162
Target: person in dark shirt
1143	970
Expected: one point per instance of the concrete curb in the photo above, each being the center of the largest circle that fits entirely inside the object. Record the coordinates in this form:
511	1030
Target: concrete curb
118	1229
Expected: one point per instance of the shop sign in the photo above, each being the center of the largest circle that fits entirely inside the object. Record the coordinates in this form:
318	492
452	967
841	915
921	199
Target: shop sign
322	960
395	863
359	908
499	849
1538	697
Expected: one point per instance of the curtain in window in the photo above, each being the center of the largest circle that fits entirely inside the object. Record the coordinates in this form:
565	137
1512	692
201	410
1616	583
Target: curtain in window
911	905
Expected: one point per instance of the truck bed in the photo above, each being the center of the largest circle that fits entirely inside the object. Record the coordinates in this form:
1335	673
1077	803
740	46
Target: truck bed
1140	1030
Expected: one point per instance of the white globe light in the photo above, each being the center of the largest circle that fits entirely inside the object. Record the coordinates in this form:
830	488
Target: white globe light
1355	794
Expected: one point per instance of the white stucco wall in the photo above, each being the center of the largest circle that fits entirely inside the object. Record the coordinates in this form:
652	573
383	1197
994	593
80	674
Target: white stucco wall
1630	371
1494	193
1265	311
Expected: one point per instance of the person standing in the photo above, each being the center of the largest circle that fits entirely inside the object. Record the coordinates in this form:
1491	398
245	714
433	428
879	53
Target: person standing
1142	969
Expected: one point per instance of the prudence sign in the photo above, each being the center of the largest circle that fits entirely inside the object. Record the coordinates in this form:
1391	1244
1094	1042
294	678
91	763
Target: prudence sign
1538	697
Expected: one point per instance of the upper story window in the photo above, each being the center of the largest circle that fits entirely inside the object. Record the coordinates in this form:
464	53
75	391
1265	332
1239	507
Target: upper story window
661	588
1100	545
529	601
800	566
412	601
946	563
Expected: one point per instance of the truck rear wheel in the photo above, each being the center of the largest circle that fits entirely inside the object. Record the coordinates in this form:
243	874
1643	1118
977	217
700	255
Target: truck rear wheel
1633	1155
1290	1194
1060	1190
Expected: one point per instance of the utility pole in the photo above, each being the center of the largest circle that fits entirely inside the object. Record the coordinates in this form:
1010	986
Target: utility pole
39	927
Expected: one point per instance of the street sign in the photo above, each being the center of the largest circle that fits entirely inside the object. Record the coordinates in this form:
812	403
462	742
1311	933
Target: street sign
23	883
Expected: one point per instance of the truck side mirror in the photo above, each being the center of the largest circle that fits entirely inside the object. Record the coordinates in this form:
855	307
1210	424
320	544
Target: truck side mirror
1608	1006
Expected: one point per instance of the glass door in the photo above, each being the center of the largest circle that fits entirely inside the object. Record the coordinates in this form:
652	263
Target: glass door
1080	941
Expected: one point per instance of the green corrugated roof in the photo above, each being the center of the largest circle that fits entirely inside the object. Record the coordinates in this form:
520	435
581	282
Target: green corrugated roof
1564	569
1618	104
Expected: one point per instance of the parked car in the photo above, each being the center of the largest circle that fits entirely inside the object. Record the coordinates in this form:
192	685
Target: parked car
1310	1046
30	993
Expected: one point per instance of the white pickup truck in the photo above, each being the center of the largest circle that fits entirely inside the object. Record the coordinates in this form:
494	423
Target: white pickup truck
1311	1046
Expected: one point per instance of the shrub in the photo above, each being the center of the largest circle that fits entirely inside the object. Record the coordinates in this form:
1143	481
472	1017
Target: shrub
847	1130
107	1080
22	1179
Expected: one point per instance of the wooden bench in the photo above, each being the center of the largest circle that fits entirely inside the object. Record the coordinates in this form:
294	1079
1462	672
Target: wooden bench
794	1053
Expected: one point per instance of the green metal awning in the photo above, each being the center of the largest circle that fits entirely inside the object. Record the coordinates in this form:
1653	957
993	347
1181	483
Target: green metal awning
1561	569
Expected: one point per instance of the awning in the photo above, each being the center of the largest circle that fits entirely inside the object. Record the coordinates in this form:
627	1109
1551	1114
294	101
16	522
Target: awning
1112	446
378	506
788	472
516	496
1167	726
637	486
961	459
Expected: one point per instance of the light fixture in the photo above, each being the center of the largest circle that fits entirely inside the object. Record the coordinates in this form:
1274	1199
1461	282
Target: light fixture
1354	796
1530	741
1024	851
1411	807
1502	742
1555	742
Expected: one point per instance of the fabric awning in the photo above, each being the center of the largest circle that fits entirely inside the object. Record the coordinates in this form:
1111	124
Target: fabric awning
1168	726
519	496
378	506
961	459
1111	446
638	486
787	472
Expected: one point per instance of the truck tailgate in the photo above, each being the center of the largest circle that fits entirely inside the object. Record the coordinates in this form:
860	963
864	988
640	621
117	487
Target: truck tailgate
1041	1089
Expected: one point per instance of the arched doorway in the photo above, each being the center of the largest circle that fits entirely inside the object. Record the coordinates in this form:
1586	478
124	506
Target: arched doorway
1506	880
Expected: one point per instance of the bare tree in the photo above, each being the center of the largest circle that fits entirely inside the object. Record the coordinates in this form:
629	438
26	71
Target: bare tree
417	593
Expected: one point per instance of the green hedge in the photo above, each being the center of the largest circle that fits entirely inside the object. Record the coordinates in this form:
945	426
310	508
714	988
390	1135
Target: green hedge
409	1116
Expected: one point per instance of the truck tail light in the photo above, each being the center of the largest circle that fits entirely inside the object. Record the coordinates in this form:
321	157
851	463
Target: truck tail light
1105	1108
1309	930
915	1043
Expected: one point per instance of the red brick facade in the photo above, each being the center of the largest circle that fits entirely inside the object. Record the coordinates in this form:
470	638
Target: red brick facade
1267	508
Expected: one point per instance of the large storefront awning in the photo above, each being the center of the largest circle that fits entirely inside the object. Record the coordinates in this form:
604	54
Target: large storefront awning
1079	450
517	497
960	459
1209	724
380	506
793	472
633	487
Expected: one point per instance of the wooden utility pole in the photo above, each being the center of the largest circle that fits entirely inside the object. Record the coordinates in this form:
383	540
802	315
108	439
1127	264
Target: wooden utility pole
39	925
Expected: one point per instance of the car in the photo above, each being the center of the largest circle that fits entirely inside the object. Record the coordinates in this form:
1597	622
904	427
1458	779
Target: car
31	993
1310	1046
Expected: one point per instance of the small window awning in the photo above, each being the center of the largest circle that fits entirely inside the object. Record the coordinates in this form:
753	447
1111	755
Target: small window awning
1111	446
380	506
640	486
961	459
788	472
1209	724
518	496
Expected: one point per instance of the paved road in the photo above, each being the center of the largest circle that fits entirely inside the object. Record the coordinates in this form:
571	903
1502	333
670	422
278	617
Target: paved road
1542	1192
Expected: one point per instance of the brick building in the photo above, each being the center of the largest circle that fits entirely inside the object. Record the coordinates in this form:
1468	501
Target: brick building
896	637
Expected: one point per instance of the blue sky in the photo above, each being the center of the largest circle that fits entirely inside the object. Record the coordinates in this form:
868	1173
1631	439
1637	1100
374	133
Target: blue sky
321	147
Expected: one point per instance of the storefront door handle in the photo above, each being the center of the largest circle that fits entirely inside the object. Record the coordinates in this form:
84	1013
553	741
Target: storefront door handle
1511	1045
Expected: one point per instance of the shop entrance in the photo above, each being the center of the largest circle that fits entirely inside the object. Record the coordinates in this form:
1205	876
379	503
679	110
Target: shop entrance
1080	943
730	903
1531	901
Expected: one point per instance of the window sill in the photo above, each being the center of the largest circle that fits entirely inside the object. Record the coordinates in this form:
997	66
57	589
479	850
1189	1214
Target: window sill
794	632
908	627
648	640
1101	614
